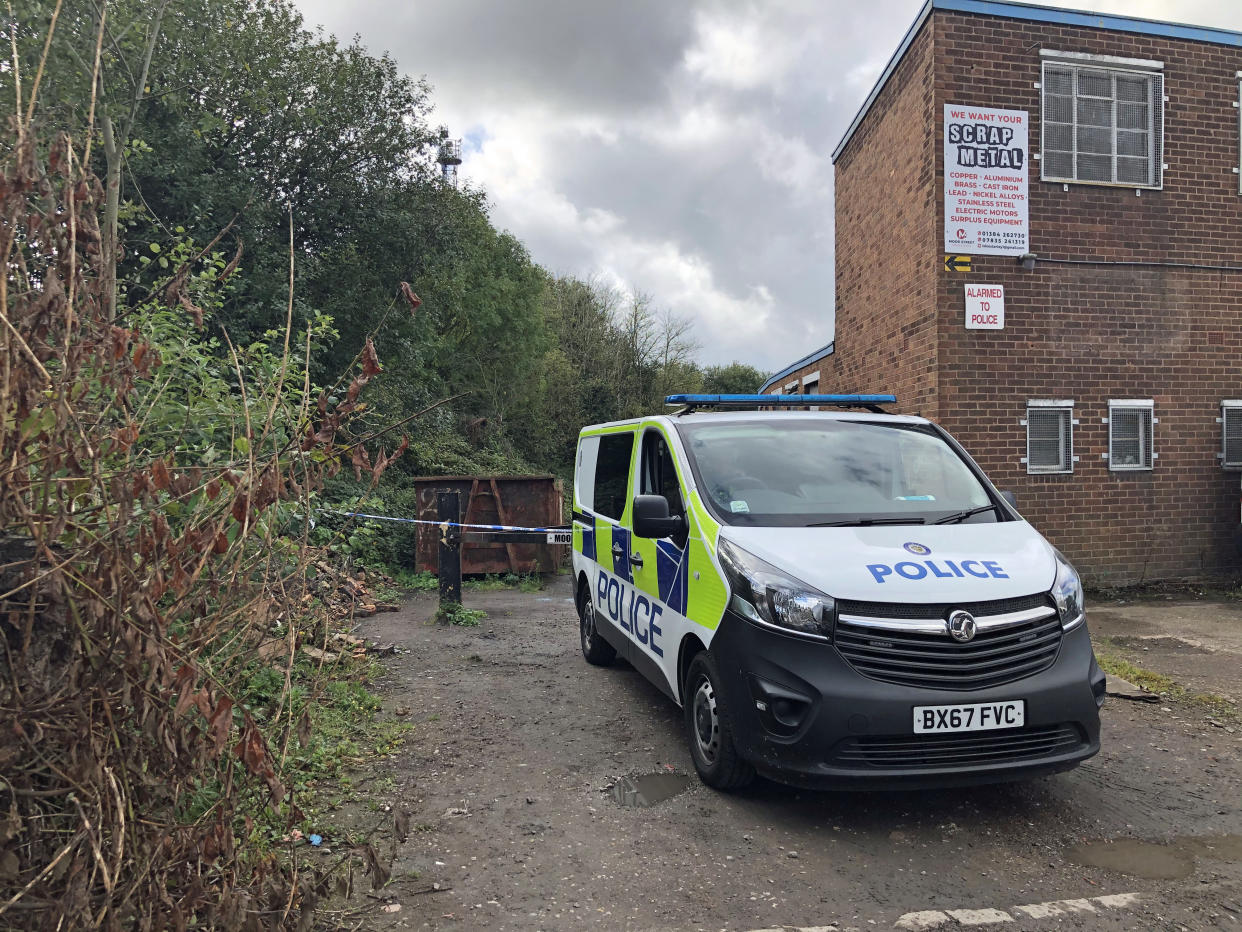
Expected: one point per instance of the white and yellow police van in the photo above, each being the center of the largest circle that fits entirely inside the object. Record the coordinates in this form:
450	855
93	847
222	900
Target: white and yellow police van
834	597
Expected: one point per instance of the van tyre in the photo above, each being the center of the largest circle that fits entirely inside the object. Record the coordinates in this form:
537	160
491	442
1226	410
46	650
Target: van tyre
594	648
709	727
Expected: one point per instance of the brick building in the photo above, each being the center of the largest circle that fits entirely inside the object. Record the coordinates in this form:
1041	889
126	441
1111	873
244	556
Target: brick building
1104	397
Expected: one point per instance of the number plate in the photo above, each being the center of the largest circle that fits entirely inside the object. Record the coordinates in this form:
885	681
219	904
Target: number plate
560	537
980	716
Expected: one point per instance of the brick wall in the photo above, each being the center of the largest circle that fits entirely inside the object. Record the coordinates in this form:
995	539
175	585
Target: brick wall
885	224
1086	332
1095	332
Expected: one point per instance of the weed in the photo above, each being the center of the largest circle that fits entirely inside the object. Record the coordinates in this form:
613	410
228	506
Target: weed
343	731
496	582
1146	679
454	613
1165	686
404	581
382	592
492	582
407	580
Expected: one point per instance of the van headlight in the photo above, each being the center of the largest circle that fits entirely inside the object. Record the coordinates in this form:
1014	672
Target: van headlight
768	596
1067	592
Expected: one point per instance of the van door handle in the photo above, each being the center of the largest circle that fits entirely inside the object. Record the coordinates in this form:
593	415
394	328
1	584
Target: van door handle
618	551
636	559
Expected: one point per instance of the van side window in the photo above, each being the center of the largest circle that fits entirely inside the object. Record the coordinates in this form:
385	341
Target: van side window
612	474
584	473
659	475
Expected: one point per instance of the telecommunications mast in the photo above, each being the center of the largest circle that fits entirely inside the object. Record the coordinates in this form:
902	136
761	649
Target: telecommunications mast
449	158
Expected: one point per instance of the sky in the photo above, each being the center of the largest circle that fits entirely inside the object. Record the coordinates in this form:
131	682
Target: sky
680	148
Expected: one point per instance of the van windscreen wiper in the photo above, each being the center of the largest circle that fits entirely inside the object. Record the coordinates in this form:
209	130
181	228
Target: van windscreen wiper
867	522
969	512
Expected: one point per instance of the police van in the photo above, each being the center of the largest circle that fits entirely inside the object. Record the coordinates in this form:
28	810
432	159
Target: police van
835	597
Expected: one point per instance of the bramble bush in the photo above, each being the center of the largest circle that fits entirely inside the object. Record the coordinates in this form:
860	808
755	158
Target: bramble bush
156	489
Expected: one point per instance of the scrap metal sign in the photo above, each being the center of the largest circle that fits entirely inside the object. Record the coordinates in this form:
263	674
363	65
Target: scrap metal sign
985	181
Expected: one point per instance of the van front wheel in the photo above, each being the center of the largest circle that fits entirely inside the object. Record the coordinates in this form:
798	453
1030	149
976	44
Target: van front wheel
709	727
594	648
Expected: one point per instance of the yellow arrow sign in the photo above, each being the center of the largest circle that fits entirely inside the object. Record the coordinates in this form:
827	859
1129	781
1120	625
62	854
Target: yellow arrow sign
957	263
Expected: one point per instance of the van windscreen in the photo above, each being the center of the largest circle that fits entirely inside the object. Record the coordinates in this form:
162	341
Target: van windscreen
805	471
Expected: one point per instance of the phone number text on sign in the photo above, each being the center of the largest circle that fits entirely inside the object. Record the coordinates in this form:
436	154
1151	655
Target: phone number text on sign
985	181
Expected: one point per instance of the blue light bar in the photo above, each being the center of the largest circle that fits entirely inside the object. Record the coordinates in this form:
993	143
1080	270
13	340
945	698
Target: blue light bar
718	401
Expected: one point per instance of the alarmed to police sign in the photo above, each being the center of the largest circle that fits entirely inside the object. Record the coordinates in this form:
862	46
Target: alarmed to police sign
985	189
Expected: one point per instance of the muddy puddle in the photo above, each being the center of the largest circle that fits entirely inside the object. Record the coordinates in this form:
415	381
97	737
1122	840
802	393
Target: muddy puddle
644	790
1156	860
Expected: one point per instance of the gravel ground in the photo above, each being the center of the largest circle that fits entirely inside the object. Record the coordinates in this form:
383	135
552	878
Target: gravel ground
1198	643
508	778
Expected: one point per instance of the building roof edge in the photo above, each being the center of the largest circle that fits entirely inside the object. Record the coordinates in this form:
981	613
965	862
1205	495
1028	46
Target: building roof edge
804	361
889	68
1114	22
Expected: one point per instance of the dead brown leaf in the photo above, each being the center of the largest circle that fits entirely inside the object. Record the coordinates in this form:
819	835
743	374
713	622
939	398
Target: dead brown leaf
221	723
413	300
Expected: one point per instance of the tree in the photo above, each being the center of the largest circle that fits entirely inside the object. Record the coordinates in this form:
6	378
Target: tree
116	139
675	347
101	59
259	119
737	378
228	121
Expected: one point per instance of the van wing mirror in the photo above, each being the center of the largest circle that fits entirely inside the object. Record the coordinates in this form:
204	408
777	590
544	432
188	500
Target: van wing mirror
651	518
1010	497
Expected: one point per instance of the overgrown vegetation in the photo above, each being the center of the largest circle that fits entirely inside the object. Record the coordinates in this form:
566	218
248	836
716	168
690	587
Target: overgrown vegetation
156	487
154	500
213	223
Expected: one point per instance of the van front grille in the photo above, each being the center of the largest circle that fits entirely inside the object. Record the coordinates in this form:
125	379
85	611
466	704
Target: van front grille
933	660
942	609
971	749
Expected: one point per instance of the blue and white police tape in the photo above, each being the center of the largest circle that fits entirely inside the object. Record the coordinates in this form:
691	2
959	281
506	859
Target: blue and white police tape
472	527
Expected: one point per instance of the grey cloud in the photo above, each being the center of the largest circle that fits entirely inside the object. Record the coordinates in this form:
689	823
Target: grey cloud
601	56
717	205
581	106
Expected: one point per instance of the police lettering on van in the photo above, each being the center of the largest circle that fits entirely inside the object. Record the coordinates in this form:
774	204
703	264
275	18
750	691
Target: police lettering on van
946	569
830	595
638	618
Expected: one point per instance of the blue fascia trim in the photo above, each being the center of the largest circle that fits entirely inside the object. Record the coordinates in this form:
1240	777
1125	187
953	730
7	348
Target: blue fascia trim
1110	21
1040	14
804	361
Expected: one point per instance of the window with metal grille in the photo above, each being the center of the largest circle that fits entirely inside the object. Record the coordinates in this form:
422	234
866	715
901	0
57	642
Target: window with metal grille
1101	125
1049	438
1231	433
1129	435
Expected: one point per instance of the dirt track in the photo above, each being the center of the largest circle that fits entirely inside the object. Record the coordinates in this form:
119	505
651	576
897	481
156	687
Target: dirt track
517	739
